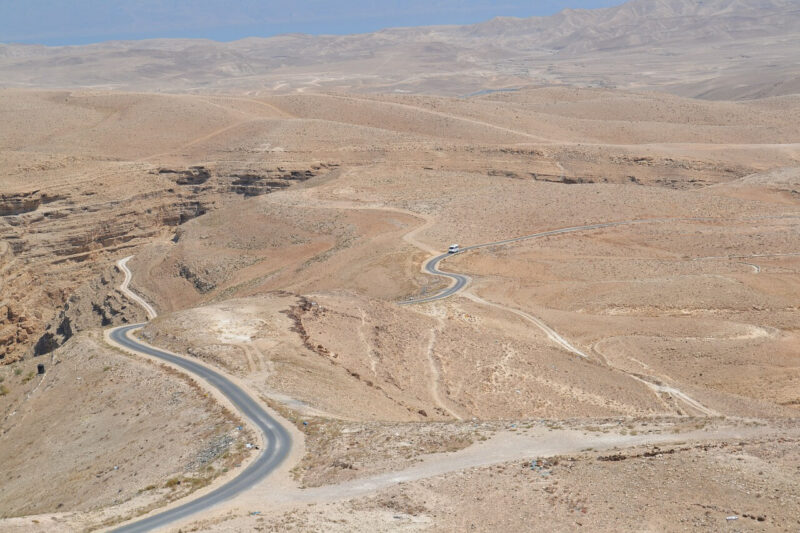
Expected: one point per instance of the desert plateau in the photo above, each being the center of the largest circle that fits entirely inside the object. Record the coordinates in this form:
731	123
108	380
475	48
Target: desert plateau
535	274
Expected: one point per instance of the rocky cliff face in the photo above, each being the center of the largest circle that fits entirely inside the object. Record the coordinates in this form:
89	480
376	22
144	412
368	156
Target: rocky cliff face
53	242
15	331
16	328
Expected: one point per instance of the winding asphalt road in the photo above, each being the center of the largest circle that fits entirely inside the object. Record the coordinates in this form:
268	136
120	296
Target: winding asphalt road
432	266
277	439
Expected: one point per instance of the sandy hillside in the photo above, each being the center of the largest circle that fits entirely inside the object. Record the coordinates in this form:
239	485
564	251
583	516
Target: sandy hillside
90	425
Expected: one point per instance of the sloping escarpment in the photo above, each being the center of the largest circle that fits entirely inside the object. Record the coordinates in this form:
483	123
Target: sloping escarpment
196	278
56	241
196	175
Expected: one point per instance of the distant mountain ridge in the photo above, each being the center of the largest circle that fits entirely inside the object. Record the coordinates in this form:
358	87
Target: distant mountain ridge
649	21
708	48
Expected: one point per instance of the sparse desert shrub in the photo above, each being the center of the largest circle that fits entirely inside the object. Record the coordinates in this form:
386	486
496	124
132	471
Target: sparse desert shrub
3	390
198	482
17	371
29	377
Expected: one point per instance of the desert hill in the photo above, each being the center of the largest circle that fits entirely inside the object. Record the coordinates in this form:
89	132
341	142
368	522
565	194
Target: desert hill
718	49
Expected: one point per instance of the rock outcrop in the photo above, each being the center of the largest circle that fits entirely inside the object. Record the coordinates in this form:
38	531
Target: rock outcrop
16	204
97	303
251	183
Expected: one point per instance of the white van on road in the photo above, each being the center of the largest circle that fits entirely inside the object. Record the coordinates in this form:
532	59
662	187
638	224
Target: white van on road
453	249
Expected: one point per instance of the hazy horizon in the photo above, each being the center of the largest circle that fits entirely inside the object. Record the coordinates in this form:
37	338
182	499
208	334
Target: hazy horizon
92	21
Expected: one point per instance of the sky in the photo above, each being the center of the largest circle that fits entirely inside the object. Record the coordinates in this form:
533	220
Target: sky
65	22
